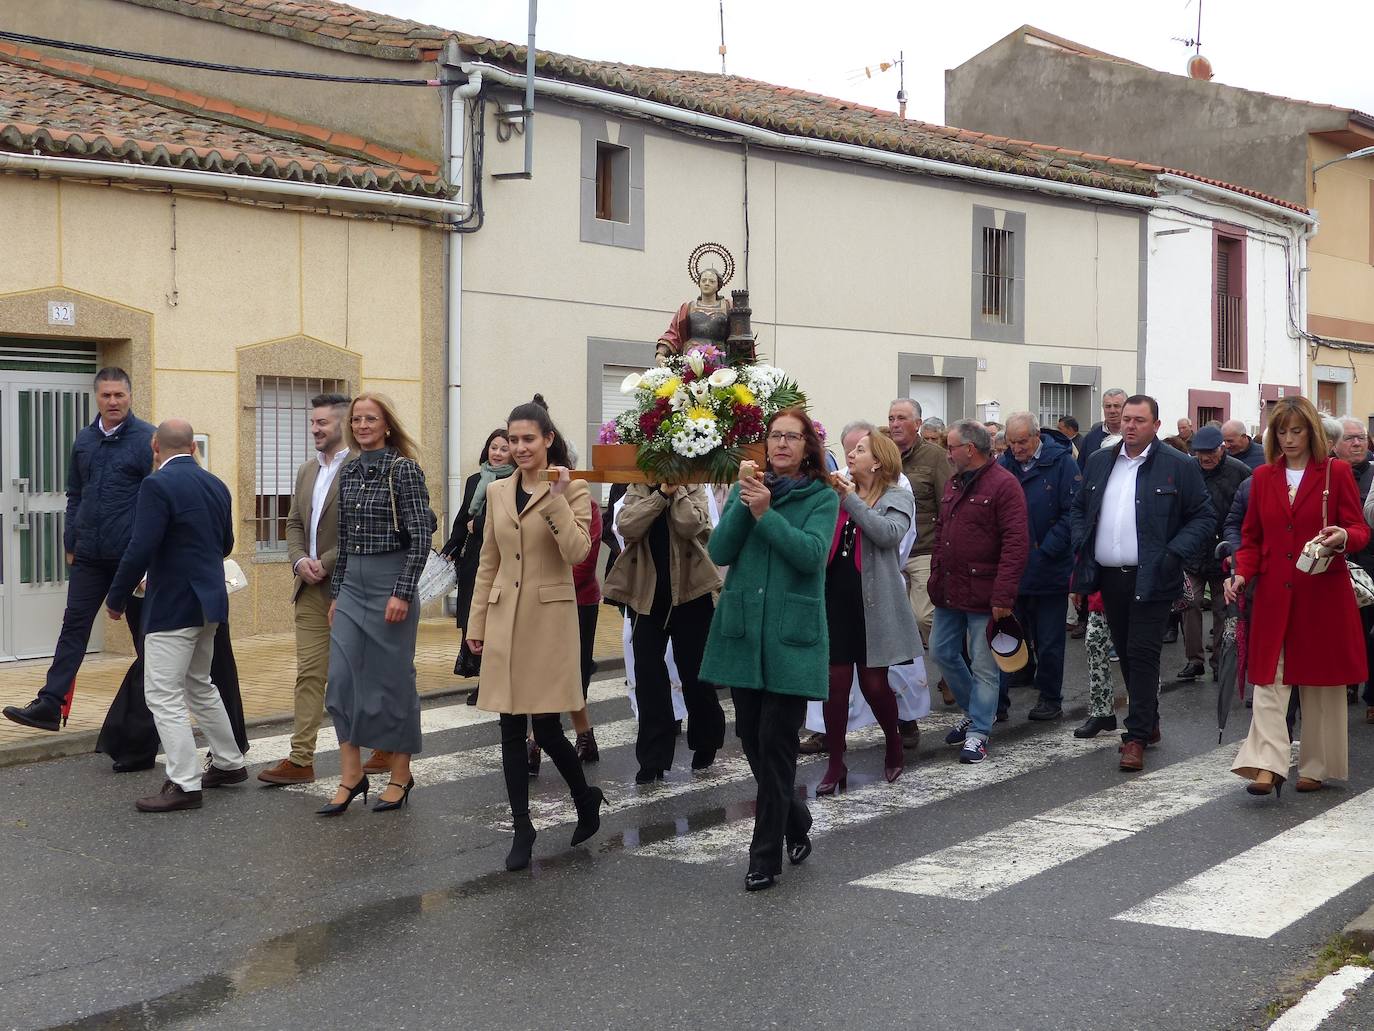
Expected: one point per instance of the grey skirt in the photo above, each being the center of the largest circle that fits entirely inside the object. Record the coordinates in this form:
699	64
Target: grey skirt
371	695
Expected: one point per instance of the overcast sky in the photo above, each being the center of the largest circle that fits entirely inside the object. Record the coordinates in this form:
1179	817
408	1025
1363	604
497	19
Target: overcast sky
1316	50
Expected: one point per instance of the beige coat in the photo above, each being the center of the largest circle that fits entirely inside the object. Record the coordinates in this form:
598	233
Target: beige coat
524	605
633	579
298	522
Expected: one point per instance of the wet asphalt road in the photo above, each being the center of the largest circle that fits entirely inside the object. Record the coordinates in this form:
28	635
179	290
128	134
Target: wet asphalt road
253	913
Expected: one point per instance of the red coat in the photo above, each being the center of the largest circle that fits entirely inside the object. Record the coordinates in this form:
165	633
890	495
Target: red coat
1313	619
584	573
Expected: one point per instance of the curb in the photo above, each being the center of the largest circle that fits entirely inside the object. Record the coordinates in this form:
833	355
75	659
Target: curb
82	742
1361	930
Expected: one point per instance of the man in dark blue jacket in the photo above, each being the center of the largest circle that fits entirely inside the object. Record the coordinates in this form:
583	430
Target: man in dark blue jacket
1049	477
109	461
1113	400
183	529
1141	514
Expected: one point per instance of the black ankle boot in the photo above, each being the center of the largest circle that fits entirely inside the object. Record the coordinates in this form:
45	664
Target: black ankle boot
522	846
588	814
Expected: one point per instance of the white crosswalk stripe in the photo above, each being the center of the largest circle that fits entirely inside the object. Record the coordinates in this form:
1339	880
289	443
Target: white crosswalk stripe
1266	888
918	788
991	862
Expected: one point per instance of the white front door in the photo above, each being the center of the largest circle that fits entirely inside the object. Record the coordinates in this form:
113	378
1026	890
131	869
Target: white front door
40	415
932	394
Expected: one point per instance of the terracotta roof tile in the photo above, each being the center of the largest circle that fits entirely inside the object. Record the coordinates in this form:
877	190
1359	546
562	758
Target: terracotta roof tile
46	109
781	108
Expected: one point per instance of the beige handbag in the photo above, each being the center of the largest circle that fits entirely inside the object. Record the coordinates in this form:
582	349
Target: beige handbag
1315	558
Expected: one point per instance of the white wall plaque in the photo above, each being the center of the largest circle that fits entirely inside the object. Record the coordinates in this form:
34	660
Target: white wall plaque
61	313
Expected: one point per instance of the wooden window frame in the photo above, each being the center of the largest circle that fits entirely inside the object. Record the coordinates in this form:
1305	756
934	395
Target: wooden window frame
1234	237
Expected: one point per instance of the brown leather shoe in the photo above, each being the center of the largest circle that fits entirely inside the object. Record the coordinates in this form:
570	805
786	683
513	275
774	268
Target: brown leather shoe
946	695
287	772
214	777
378	762
812	744
170	799
1133	756
1308	784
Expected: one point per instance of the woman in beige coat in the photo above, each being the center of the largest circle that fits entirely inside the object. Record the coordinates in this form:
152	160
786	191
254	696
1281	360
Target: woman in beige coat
523	620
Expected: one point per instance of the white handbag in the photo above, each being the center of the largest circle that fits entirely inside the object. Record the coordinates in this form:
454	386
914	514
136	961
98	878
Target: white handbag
234	580
1315	558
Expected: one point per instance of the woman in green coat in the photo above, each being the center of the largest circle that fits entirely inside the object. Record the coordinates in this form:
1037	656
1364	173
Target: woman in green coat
768	639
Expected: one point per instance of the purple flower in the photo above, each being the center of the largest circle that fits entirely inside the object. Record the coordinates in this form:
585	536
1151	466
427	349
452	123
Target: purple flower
820	429
609	434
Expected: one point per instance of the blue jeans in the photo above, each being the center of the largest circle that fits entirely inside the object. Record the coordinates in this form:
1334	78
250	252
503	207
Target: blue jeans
974	684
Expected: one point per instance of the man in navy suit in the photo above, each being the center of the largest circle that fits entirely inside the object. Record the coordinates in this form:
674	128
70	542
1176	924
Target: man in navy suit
183	529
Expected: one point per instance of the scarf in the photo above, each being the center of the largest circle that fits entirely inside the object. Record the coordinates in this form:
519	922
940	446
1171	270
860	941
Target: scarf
489	474
780	486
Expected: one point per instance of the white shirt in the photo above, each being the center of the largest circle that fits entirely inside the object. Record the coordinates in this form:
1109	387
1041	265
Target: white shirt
100	423
1026	466
1294	478
329	468
1117	544
173	458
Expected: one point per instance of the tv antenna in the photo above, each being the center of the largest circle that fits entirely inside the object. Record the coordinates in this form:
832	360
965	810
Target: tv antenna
898	62
1196	41
722	37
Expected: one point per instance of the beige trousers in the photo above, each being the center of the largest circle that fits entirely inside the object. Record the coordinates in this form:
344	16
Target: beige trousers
312	669
1324	752
917	589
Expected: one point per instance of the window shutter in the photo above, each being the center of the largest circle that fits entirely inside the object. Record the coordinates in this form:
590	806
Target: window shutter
1224	268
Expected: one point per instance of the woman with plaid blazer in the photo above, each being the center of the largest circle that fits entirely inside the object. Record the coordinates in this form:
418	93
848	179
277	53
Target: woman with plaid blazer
385	530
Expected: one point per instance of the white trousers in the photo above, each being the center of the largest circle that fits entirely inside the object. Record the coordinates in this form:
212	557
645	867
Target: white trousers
176	674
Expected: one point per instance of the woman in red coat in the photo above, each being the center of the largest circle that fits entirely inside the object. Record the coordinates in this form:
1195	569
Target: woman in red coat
1305	629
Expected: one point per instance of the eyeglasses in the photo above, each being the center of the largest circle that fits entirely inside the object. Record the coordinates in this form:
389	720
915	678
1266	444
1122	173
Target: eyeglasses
791	438
364	420
1354	439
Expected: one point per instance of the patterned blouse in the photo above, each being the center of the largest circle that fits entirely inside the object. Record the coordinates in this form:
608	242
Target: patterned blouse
383	502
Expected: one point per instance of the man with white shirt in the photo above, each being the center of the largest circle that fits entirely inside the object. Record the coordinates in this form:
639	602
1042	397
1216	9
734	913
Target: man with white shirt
312	544
109	460
1143	512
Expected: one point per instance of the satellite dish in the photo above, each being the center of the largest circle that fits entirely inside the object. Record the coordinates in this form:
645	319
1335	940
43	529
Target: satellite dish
1199	68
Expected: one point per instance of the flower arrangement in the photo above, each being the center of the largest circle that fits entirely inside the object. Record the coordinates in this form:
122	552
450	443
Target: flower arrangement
696	413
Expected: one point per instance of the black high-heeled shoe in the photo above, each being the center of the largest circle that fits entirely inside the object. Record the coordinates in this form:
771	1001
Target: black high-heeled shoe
758	881
588	815
798	849
386	807
338	808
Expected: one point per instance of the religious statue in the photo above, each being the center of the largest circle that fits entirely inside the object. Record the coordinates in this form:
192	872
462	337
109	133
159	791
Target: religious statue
705	320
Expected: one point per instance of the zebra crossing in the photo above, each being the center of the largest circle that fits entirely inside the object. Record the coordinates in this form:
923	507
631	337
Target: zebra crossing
1253	892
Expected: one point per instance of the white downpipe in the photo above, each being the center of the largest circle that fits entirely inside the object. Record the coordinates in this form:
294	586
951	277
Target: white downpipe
275	188
804	144
458	135
1278	212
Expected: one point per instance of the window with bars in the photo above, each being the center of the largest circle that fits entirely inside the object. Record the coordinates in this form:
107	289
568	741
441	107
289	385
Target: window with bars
1056	401
282	421
1229	350
998	275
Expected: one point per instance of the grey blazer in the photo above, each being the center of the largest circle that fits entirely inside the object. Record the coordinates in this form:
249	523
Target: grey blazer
891	634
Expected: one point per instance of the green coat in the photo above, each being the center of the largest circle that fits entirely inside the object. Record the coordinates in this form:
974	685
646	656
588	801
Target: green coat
769	629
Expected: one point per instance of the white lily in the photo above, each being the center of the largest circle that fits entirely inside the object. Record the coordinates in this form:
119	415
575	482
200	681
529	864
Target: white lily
631	383
696	362
699	389
723	378
680	399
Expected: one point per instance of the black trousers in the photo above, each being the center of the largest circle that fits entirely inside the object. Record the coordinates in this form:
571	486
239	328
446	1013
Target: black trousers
548	735
687	627
767	724
129	734
586	632
88	582
1137	629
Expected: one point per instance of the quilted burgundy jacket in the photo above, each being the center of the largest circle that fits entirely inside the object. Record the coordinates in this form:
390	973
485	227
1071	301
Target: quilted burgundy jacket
981	542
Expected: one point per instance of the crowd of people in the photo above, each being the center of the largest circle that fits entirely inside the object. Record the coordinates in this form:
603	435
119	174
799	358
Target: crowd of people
956	559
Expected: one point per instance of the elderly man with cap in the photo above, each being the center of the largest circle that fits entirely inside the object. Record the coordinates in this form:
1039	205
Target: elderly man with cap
1240	445
1223	476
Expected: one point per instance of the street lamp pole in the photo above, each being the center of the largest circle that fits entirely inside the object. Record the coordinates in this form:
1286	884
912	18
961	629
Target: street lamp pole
1363	152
